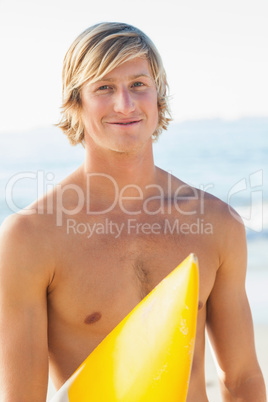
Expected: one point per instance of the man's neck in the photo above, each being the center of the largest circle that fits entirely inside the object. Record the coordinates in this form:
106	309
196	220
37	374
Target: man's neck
126	168
111	174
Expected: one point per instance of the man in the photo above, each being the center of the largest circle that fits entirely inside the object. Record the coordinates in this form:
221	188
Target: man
76	262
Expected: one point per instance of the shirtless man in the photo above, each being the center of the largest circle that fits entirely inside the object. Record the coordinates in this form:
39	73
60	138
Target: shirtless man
79	260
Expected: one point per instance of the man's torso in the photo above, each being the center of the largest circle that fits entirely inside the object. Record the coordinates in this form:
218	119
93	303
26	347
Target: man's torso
105	265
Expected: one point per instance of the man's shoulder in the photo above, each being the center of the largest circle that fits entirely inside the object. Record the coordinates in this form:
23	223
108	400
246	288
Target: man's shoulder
220	213
17	225
220	210
204	203
26	236
36	224
228	226
27	223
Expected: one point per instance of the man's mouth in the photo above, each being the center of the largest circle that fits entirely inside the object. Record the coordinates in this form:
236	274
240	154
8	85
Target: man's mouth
125	123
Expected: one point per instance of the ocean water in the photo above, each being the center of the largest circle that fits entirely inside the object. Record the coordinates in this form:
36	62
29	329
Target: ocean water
227	159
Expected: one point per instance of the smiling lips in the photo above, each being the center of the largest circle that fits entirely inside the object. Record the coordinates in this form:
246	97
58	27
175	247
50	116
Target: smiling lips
125	122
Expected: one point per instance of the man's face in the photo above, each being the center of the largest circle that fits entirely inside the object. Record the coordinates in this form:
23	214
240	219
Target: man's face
120	111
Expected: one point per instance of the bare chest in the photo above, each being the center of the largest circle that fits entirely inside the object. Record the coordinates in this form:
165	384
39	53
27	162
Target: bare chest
107	267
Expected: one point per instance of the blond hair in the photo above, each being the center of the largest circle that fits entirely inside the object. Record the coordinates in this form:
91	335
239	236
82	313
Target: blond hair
96	52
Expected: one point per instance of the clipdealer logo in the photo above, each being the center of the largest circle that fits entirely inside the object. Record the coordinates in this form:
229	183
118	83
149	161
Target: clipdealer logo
249	189
164	201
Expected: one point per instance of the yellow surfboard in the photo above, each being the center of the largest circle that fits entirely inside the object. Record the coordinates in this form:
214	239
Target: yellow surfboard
148	355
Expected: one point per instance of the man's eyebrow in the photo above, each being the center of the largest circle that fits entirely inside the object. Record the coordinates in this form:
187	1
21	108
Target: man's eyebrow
131	77
140	75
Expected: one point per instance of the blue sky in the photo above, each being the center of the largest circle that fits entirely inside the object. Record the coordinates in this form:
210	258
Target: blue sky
215	54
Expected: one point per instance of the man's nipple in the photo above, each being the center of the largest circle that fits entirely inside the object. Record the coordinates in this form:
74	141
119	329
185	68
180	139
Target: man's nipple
92	318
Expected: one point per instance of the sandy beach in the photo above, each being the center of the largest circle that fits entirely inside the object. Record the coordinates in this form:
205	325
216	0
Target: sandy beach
261	337
213	390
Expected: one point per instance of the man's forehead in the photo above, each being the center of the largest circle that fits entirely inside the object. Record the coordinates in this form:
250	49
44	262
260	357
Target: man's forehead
131	69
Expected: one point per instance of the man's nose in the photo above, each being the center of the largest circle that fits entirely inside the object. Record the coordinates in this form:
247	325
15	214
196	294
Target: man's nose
124	102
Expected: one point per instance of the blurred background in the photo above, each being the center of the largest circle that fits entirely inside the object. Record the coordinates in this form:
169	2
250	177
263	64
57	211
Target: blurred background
216	58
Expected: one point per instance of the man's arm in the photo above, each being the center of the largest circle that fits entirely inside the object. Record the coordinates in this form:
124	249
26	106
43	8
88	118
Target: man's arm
229	321
24	277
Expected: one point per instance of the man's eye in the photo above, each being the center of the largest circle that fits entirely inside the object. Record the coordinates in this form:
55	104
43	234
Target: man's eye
138	84
103	88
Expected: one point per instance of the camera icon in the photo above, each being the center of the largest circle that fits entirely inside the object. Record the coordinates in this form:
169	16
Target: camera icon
249	193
